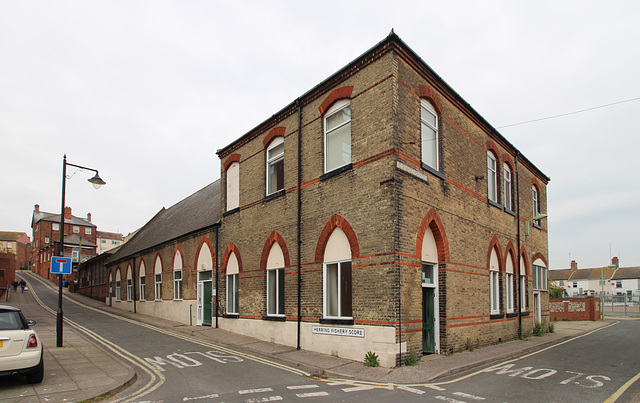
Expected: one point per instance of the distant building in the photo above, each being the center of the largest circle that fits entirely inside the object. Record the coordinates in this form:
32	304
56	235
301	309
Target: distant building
108	240
14	255
612	280
79	240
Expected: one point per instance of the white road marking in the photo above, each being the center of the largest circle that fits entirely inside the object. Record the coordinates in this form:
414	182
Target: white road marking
312	394
448	399
468	396
434	387
412	390
302	387
264	399
357	389
248	391
186	399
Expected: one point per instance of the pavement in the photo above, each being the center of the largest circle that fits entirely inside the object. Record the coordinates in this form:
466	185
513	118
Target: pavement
82	370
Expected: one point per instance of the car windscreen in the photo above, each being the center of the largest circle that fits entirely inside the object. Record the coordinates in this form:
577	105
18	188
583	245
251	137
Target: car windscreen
11	320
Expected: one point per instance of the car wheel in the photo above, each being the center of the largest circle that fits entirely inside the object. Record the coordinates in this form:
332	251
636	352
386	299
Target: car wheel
36	377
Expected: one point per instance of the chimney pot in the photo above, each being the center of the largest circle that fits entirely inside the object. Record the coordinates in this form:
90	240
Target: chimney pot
615	261
89	217
67	213
574	265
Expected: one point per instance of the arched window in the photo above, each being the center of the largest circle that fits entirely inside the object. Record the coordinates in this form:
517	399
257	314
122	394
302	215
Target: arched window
275	281
177	276
143	286
523	285
118	286
508	187
494	278
492	177
337	135
129	284
233	186
233	270
337	276
275	166
158	278
509	284
429	133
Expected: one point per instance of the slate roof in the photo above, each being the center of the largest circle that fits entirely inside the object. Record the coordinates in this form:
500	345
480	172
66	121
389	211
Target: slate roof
627	273
198	211
10	236
43	216
559	274
75	240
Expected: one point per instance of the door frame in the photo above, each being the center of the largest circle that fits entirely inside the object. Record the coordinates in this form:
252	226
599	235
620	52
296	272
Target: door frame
435	306
200	300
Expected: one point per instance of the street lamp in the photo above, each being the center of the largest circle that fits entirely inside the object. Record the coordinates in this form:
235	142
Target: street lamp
96	181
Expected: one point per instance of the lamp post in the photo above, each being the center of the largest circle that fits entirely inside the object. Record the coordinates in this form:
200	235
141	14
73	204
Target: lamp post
96	181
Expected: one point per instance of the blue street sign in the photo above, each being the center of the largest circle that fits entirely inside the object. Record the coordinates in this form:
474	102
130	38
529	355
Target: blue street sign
60	265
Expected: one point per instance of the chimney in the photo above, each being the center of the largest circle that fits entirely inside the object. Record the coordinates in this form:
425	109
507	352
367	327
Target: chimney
574	265
36	208
67	213
615	262
89	217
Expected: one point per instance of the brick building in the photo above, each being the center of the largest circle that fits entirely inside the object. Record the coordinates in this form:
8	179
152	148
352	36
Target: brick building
376	212
79	235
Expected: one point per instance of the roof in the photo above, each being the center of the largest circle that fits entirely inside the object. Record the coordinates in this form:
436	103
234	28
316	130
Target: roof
110	235
199	211
561	274
581	274
78	240
10	236
391	43
627	273
43	216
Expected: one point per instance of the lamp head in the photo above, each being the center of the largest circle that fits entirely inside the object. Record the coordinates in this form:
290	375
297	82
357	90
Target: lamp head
97	181
540	217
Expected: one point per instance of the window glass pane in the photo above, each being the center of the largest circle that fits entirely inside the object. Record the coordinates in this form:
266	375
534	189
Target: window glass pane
271	292
275	151
427	273
281	291
428	116
275	176
338	118
345	289
491	177
339	147
332	289
429	146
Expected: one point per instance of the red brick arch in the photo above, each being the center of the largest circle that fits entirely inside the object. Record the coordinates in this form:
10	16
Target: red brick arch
510	250
432	220
337	221
176	250
275	132
429	94
491	146
540	256
204	241
506	158
232	158
274	238
338	93
225	258
523	256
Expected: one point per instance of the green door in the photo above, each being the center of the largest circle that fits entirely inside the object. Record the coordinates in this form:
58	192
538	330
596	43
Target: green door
206	303
428	321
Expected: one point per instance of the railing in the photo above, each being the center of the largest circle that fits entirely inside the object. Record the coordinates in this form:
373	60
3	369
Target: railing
621	305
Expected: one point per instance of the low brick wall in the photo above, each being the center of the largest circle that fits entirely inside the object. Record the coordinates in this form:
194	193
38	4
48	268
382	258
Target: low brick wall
586	308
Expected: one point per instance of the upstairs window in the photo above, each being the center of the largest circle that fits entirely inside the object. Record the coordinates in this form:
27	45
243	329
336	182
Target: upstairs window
429	133
87	231
275	166
337	136
55	227
492	178
233	186
508	188
536	203
76	229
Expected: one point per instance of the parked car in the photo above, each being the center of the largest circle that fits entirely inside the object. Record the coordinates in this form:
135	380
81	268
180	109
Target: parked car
21	353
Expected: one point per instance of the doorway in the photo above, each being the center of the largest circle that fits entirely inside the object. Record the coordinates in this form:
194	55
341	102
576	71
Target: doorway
204	298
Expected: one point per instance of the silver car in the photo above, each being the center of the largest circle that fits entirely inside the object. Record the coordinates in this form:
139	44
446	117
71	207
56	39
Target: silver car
20	349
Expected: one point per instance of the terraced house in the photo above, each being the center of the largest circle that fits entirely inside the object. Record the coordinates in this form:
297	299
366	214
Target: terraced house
376	212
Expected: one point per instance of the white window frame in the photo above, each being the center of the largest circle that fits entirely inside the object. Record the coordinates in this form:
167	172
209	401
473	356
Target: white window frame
539	278
143	287
271	163
536	203
76	229
118	290
509	291
87	230
233	186
492	177
232	294
177	285
275	290
523	293
508	187
158	286
46	240
336	108
494	280
129	289
429	146
339	290
55	226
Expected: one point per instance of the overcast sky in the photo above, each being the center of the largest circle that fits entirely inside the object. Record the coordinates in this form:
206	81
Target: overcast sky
147	91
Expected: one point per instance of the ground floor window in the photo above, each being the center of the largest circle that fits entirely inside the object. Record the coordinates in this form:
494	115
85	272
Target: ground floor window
494	291
337	290
118	288
177	284
129	289
142	288
232	294
509	292
158	287
275	292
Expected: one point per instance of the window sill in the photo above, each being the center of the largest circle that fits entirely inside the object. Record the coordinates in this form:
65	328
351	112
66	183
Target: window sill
273	195
496	316
433	171
232	211
508	211
231	316
494	204
512	315
537	226
525	313
336	171
336	321
275	318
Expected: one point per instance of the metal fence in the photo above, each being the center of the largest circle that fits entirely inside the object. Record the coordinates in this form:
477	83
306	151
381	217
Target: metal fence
621	305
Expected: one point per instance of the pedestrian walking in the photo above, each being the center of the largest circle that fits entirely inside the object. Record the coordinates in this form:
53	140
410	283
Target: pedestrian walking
15	286
22	285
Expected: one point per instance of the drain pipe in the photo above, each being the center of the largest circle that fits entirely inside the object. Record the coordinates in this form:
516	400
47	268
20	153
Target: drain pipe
299	105
519	286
